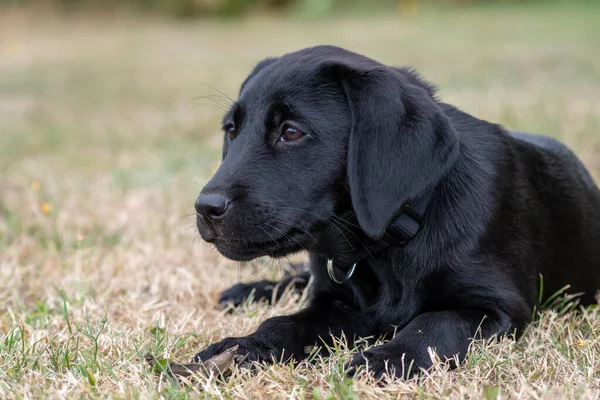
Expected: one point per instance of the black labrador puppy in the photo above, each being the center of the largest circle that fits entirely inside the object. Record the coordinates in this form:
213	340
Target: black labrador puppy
424	224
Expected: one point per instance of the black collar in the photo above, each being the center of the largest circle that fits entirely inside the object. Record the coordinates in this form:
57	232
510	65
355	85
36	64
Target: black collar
401	230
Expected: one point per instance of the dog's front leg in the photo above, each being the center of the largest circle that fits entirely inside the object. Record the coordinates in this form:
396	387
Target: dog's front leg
264	290
282	338
449	333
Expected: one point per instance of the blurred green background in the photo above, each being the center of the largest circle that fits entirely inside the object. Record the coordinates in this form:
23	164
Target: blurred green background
190	8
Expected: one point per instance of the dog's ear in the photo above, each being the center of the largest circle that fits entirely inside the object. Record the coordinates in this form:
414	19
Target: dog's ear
401	143
259	67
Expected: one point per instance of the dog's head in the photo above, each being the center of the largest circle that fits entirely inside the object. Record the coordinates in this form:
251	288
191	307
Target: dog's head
322	148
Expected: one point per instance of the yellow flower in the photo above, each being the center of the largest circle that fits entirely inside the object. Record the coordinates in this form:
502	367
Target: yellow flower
581	344
408	7
35	186
46	208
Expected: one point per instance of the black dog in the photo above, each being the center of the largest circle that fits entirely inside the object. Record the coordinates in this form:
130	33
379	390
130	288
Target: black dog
437	224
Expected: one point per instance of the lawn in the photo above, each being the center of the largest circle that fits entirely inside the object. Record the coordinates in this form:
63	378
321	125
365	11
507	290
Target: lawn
110	127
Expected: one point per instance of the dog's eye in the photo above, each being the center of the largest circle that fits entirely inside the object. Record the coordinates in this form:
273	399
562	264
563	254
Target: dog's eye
230	131
290	133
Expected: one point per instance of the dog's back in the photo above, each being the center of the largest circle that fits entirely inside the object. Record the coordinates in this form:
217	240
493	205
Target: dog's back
573	216
563	152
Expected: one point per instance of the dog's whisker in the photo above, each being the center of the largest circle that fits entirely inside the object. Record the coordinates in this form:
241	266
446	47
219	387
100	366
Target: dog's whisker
340	219
335	225
217	100
332	223
283	234
212	102
188	215
351	232
286	236
267	233
192	226
217	90
277	218
214	105
255	274
212	99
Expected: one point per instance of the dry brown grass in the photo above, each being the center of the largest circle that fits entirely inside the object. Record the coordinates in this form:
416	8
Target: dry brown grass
102	149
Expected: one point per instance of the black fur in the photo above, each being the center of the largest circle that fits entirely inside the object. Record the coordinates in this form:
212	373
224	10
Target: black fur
507	208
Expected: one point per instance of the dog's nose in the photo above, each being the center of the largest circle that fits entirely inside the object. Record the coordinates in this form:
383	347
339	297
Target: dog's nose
212	205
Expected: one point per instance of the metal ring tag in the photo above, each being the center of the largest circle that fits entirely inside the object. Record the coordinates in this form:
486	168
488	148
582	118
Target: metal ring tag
332	274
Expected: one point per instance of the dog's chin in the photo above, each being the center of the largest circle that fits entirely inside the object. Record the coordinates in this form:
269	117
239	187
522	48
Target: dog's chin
246	251
238	254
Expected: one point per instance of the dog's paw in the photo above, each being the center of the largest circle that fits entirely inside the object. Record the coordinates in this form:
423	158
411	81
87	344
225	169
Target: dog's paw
383	360
239	293
250	350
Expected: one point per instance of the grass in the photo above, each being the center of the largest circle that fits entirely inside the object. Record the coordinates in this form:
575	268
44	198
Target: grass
104	143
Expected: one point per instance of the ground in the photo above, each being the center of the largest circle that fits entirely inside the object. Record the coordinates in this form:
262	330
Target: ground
110	127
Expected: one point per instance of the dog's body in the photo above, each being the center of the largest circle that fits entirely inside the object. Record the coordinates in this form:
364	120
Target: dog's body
503	209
